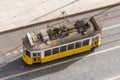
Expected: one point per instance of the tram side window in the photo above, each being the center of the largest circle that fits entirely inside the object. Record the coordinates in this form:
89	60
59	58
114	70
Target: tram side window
93	39
86	42
38	54
96	38
70	46
63	48
48	53
77	44
55	50
27	53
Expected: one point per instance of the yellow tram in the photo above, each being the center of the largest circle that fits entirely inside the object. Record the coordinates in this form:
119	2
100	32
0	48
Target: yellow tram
60	41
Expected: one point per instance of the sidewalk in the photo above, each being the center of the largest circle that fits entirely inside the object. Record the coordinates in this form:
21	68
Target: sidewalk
17	13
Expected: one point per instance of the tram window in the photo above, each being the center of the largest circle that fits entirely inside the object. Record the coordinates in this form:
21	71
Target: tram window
38	54
55	50
27	53
48	52
93	40
77	44
63	48
96	38
86	42
34	54
70	46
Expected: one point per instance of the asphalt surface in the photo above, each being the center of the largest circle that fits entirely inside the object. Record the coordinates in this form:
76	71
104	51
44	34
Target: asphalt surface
102	66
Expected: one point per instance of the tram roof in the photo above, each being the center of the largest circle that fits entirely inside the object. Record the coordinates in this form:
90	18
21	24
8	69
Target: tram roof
61	34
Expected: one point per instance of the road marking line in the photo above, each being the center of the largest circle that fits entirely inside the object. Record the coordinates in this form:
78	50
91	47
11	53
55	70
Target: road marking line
102	51
114	78
111	27
41	68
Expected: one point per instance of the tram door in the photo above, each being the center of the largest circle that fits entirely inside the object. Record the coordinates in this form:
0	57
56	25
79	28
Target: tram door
36	57
95	41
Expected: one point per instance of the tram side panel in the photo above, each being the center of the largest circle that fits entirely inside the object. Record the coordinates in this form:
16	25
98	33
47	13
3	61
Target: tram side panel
70	50
84	46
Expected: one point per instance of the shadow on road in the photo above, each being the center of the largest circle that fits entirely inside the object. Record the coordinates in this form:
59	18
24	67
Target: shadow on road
18	66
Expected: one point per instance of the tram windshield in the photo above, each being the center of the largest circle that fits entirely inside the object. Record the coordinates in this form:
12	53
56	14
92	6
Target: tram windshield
27	53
